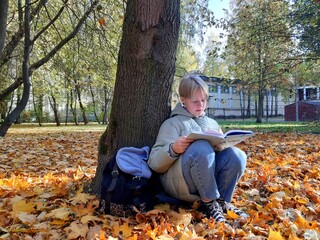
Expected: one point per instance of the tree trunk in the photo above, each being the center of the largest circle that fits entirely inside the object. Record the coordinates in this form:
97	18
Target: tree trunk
83	111
9	120
3	22
145	73
67	109
105	107
249	104
38	107
73	109
260	107
54	107
267	106
94	104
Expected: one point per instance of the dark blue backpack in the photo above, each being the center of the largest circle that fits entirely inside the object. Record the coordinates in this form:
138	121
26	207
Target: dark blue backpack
127	183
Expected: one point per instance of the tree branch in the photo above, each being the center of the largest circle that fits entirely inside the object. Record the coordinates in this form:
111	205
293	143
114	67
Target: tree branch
45	59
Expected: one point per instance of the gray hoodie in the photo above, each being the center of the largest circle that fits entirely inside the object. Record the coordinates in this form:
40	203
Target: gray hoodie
180	123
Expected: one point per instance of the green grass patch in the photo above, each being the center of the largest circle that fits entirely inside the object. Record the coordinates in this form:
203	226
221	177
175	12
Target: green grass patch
250	124
283	127
50	127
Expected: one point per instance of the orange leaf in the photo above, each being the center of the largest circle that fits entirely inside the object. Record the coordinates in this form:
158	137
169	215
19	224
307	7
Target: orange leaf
102	21
303	223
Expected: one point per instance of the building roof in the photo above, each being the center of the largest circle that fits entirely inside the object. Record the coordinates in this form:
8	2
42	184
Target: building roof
314	102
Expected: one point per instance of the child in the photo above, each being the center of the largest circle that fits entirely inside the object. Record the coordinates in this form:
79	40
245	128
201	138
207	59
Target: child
192	170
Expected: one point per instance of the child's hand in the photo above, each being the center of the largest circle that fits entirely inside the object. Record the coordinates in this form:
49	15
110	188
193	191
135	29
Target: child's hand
218	148
181	144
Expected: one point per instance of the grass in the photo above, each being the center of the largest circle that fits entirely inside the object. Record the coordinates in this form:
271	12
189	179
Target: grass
281	127
51	127
247	124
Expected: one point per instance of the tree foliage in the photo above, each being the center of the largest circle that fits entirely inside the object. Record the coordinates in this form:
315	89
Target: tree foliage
305	16
53	26
260	46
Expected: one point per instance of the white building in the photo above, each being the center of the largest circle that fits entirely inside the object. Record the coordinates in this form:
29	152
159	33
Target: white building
226	99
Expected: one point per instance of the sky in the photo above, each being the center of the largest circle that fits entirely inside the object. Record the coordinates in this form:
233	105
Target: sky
217	7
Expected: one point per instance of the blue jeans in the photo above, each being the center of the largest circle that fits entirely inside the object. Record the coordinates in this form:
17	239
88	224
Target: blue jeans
211	174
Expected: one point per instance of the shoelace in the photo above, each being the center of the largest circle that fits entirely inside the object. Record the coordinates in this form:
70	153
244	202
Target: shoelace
215	211
226	206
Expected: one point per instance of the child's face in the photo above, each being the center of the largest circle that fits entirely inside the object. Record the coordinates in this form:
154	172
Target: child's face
197	104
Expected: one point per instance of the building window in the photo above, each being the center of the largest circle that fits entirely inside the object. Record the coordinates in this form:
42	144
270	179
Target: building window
213	89
224	89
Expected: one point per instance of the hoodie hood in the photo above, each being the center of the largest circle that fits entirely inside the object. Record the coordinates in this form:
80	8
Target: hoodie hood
180	110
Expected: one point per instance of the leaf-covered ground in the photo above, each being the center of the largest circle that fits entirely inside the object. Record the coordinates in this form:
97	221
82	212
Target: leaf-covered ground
42	175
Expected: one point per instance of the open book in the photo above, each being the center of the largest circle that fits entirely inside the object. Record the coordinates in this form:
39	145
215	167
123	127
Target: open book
227	139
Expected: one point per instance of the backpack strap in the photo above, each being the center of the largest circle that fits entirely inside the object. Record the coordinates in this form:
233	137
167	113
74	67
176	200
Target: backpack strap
136	192
115	177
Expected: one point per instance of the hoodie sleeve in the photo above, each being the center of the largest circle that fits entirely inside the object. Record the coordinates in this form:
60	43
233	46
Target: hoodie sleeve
160	159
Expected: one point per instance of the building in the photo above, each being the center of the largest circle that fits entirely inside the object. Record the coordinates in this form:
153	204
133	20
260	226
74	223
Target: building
307	111
308	106
227	100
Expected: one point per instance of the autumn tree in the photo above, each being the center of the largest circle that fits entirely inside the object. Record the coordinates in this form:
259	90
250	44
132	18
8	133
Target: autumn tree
306	21
12	51
260	44
145	73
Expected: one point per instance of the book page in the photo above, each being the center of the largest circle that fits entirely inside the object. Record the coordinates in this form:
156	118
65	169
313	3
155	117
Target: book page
216	138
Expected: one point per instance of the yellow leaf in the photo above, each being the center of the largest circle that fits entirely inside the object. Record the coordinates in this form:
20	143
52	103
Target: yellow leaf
293	236
301	200
81	198
23	206
60	213
296	185
181	218
124	230
232	214
76	230
90	218
274	235
58	222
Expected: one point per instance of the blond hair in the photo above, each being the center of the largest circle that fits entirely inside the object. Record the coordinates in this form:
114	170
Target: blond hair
191	83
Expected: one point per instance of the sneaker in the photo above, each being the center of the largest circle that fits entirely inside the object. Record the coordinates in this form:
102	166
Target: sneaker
213	209
226	206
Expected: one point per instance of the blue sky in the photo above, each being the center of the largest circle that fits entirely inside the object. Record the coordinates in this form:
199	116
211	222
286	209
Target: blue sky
217	7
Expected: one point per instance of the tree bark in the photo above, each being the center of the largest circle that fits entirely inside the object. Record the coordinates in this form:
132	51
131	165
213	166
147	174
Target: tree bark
3	22
260	106
54	106
94	104
83	110
9	120
145	73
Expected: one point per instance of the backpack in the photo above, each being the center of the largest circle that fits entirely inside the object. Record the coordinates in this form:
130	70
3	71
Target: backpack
127	183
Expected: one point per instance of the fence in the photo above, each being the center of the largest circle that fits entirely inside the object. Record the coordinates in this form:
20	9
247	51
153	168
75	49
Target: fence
230	113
